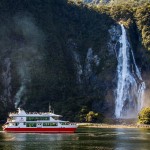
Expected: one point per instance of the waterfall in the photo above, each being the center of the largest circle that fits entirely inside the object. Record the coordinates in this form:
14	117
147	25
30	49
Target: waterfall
6	81
130	86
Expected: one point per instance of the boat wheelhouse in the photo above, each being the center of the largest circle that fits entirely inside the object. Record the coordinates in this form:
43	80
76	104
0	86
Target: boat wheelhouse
37	122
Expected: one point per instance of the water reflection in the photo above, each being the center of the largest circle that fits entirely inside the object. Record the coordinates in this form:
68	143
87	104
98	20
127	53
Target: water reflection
102	139
132	139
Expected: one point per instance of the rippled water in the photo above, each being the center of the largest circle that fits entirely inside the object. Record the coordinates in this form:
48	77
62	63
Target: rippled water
85	138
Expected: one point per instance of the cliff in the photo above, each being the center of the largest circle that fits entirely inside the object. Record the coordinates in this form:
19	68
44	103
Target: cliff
59	52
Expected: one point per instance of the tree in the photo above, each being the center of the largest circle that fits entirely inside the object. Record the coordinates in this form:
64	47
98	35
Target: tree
144	116
82	114
92	116
142	14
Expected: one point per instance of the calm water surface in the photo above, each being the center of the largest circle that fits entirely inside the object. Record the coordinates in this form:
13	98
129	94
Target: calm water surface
90	139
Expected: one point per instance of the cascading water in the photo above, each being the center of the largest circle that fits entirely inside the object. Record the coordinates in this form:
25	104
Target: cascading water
130	86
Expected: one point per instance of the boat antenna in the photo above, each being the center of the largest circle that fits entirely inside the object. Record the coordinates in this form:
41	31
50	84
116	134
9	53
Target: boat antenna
50	108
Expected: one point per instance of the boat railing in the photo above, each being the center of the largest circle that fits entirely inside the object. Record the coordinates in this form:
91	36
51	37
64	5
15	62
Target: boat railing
35	113
38	113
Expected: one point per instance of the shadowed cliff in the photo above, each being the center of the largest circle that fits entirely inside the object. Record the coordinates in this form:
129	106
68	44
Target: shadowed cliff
59	53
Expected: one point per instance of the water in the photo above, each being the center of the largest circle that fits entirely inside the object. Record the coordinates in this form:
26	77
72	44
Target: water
85	138
130	85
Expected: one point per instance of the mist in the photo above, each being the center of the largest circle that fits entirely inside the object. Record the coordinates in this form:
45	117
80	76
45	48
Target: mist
21	41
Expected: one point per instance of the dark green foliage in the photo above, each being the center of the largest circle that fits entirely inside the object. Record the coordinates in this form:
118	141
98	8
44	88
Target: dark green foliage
129	12
121	12
57	79
53	79
144	116
143	22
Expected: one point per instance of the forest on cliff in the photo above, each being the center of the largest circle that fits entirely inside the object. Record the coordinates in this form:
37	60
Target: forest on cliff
63	52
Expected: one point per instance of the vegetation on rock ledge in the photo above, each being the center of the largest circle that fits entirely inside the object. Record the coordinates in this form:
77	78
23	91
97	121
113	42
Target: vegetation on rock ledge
144	116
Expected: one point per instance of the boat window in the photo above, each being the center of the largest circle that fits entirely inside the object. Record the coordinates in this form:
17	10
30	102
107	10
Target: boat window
64	123
16	124
24	123
36	118
49	124
30	124
55	117
12	118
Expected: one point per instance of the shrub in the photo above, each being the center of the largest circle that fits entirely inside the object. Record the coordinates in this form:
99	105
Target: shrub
144	116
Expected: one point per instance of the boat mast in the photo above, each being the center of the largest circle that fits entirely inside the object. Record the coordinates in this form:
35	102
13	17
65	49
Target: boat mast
50	108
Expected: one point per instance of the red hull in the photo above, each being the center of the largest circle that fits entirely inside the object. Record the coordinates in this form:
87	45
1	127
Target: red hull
41	130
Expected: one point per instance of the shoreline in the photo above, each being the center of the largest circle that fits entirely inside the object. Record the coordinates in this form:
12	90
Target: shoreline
102	125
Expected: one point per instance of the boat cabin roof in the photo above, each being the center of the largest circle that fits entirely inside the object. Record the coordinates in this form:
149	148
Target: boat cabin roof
21	112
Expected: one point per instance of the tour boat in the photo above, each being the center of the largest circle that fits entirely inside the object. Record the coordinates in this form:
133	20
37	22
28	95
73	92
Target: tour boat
37	123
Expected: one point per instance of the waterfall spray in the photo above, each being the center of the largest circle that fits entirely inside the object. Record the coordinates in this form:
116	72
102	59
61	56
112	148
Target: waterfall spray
23	70
130	86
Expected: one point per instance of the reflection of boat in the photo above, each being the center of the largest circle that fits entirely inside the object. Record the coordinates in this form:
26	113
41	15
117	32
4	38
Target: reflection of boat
37	122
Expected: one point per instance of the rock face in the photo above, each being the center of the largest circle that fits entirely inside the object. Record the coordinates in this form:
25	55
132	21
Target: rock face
52	51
